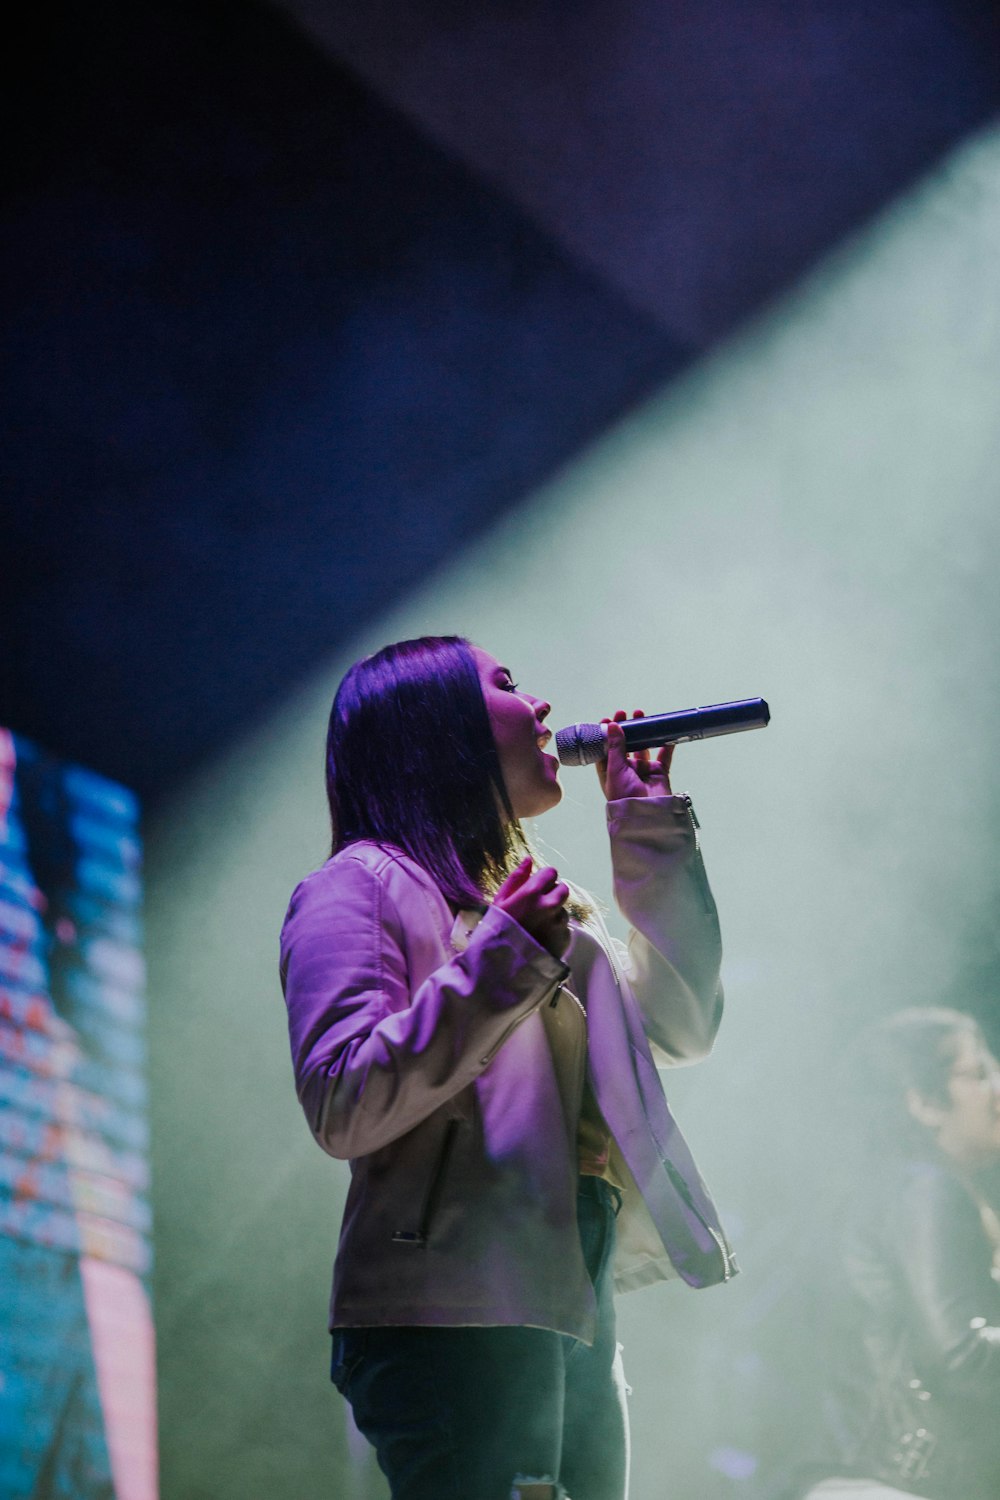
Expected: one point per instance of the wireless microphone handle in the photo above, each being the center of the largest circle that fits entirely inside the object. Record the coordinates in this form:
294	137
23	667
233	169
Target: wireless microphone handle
582	744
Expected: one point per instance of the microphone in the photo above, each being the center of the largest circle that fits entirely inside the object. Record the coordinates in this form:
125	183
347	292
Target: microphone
583	744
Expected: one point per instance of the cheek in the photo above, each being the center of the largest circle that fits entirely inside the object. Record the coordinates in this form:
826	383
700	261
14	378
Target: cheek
512	721
503	729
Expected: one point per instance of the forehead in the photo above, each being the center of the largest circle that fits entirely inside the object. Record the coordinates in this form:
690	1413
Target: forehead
486	664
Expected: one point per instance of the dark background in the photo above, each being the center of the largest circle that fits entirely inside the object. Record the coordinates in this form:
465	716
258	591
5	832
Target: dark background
250	307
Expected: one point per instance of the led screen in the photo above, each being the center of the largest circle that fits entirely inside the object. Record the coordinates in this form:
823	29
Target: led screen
77	1372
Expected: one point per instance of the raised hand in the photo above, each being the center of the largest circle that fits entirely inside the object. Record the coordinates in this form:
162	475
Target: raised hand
536	899
635	775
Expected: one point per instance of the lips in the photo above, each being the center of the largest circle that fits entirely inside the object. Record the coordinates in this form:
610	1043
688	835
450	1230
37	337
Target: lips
549	761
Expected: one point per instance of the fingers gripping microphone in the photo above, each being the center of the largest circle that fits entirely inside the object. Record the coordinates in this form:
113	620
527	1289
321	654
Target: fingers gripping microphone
583	744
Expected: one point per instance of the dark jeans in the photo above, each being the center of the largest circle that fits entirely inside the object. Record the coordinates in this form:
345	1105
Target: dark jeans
460	1413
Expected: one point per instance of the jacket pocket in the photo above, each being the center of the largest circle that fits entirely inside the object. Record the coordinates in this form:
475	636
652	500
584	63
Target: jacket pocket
416	1233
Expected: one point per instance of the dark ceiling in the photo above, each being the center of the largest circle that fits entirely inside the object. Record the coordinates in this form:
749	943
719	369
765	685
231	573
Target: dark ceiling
284	330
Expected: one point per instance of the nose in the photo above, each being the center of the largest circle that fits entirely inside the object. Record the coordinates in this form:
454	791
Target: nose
542	709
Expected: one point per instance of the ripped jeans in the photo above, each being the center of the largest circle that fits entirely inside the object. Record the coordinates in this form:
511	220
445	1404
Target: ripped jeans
461	1413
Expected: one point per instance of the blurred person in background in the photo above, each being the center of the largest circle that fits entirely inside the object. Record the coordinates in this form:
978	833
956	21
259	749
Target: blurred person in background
908	1283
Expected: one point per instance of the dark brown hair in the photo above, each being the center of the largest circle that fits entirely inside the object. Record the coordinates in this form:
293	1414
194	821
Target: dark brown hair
411	761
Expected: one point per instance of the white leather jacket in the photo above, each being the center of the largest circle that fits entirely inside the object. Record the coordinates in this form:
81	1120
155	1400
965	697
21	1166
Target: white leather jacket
425	1051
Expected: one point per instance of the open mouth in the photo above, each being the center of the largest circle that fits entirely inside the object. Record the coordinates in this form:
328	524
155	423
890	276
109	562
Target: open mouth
543	739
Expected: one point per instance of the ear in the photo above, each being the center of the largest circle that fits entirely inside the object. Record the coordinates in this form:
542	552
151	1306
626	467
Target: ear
924	1111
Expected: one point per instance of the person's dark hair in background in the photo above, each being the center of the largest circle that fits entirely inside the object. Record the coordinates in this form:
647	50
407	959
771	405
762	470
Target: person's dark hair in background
908	1057
909	1358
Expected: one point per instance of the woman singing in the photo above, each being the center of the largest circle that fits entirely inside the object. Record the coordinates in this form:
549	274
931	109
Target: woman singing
463	1032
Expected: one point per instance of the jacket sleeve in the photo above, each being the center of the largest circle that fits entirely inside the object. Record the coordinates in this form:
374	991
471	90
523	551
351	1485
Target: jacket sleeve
371	1058
674	948
946	1262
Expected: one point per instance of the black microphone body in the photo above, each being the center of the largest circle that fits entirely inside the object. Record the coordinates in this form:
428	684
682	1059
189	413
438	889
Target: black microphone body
583	744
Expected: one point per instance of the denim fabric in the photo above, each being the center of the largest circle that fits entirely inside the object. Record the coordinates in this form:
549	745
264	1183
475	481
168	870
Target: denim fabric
459	1413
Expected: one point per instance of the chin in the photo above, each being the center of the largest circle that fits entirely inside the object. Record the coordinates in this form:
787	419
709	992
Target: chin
550	798
540	801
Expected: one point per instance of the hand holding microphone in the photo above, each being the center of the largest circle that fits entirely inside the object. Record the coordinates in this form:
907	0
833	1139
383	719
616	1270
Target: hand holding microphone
631	774
585	744
620	747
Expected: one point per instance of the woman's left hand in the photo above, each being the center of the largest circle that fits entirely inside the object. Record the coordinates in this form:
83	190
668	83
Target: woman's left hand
636	775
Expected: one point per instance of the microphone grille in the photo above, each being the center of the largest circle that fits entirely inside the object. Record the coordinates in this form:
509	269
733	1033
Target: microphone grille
581	744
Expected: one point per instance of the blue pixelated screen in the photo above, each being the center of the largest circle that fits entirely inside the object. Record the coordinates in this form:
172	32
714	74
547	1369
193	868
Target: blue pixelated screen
77	1358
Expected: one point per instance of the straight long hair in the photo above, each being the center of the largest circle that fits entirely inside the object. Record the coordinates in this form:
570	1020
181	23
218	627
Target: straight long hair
411	761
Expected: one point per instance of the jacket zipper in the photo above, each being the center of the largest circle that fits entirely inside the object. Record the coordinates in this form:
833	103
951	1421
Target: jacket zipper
418	1236
699	864
685	1192
491	1054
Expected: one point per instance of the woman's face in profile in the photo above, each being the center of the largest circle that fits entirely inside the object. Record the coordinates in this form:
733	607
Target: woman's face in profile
516	718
